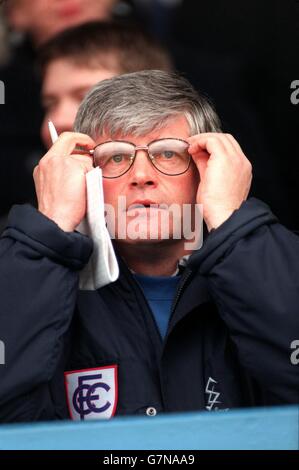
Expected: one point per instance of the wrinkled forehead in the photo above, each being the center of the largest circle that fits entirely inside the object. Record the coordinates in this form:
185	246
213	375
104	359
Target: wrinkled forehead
173	127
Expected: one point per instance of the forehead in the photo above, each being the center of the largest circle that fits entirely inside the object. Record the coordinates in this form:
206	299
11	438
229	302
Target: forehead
63	74
176	127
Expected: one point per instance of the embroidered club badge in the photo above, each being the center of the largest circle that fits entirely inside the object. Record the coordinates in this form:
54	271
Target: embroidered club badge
92	393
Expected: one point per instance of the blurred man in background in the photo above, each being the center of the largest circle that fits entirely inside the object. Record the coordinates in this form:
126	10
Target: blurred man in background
31	24
22	115
76	59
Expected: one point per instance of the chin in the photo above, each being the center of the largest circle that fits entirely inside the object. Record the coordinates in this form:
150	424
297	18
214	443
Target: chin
146	239
144	232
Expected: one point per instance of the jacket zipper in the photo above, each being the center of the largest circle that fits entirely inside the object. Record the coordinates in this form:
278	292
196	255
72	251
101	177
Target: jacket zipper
184	279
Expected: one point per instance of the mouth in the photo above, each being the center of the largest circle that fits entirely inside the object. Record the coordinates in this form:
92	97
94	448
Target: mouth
146	203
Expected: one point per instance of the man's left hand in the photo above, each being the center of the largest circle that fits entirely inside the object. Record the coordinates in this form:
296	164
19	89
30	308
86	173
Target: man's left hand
225	175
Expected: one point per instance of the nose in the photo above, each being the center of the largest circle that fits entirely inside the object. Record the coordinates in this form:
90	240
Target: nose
142	172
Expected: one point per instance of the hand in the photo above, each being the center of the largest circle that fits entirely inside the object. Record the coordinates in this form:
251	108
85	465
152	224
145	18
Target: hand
225	175
60	180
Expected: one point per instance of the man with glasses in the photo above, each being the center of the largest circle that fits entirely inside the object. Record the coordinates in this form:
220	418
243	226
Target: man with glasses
180	329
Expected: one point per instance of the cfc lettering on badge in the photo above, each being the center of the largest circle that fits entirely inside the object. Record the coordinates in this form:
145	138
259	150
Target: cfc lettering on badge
92	393
79	398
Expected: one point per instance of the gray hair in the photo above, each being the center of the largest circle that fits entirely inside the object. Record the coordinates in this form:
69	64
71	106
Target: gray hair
137	103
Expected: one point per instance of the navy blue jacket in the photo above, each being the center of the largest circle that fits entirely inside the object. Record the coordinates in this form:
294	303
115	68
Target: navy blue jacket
234	317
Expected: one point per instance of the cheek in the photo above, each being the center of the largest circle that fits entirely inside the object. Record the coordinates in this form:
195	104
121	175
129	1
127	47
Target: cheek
111	192
186	188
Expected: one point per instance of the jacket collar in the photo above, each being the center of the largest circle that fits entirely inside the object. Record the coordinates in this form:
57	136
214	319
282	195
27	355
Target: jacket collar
192	290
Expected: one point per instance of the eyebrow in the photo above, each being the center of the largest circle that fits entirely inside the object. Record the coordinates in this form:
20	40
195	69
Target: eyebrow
51	95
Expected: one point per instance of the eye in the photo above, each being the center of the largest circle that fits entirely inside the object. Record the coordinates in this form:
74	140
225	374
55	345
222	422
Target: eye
49	106
117	158
168	154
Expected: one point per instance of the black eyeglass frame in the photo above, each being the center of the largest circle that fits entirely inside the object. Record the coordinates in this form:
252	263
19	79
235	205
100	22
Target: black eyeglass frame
141	147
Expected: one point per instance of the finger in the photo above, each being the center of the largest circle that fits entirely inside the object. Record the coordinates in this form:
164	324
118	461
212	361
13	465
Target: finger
86	163
228	145
200	159
210	142
234	142
35	171
68	141
35	176
216	142
79	150
85	159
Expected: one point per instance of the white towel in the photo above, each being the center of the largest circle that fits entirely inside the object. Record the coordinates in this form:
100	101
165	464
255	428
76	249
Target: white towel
102	268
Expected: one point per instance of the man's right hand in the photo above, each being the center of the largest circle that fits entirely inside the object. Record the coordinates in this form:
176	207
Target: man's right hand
60	181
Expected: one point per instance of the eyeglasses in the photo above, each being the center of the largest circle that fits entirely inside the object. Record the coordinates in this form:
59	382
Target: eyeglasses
169	156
